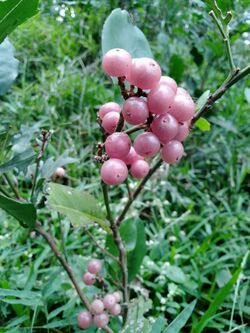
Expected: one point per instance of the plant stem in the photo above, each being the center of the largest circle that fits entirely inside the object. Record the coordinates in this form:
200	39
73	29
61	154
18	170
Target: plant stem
106	201
135	129
12	186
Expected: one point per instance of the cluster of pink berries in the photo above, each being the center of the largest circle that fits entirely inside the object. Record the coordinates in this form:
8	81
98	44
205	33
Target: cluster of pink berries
164	111
109	302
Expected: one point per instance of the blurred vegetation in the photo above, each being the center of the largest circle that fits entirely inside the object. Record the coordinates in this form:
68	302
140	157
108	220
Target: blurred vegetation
197	215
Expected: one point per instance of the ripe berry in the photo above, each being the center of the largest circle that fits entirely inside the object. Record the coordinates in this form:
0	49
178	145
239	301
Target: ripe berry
117	296
182	91
88	278
118	145
108	107
59	173
94	266
183	108
115	310
97	306
139	169
116	62
110	122
135	111
183	131
114	172
101	320
167	80
165	127
109	301
147	144
145	73
172	151
84	319
132	157
160	99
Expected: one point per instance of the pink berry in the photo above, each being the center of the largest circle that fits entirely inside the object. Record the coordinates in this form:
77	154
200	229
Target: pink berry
167	80
117	296
88	278
118	145
109	301
182	91
183	108
135	111
172	151
94	266
84	319
139	169
132	157
147	144
183	131
108	107
59	173
116	62
145	73
97	306
110	122
101	320
115	310
114	172
165	127
160	99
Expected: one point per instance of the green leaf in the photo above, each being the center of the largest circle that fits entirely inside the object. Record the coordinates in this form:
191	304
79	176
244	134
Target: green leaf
176	67
80	207
202	100
214	306
20	161
159	325
15	12
24	212
8	66
128	231
203	124
181	320
175	273
135	257
118	31
136	310
24	297
247	95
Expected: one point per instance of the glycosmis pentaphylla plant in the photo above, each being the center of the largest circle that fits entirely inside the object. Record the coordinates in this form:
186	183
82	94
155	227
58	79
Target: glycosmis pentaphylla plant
144	131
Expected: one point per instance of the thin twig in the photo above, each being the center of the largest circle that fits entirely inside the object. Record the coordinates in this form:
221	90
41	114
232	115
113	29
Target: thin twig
12	186
106	201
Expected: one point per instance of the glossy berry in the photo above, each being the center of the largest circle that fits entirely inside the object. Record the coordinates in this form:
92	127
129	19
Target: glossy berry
132	157
160	99
110	122
183	131
97	306
172	151
167	80
108	107
109	301
101	320
115	310
89	278
116	62
182	91
114	172
94	266
165	127
183	108
118	145
59	173
117	296
145	73
135	111
139	169
84	319
147	144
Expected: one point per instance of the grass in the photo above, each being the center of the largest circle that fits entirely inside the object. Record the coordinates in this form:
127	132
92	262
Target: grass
197	214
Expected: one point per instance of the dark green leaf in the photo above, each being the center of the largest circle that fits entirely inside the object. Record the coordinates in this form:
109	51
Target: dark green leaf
8	66
203	124
214	306
80	207
24	212
176	67
20	161
118	31
181	320
15	12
